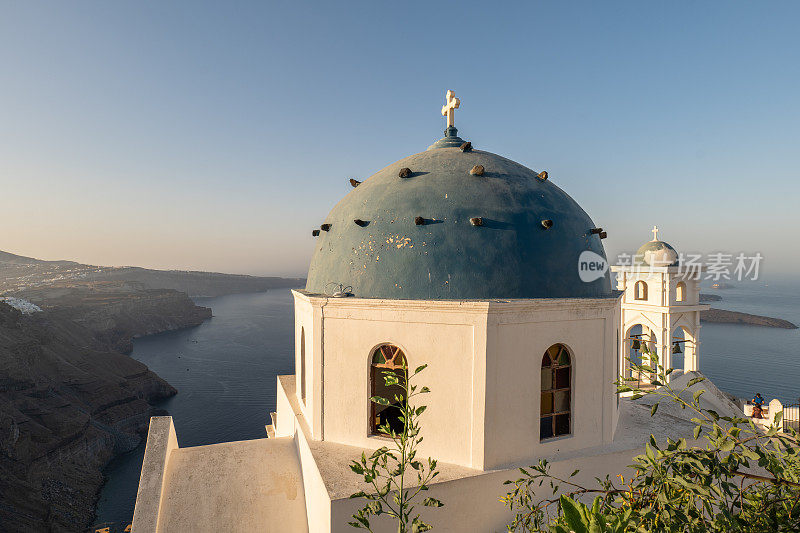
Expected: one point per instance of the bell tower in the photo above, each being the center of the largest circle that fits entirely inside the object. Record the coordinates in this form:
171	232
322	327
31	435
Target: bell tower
660	309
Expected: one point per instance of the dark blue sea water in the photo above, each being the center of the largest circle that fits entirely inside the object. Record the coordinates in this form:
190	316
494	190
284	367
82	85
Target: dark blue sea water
744	360
225	372
225	369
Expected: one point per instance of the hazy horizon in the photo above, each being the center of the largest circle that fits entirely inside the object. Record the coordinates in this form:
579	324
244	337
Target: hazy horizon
215	137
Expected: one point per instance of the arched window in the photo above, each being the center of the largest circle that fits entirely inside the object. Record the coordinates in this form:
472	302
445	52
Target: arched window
680	292
640	290
387	358
555	411
303	364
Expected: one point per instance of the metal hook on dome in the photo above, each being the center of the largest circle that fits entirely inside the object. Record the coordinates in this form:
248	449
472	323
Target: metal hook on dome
466	147
341	290
325	227
547	223
419	221
542	175
476	221
354	182
360	222
315	233
405	172
477	170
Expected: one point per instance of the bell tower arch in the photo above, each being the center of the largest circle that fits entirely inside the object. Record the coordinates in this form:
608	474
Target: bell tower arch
660	309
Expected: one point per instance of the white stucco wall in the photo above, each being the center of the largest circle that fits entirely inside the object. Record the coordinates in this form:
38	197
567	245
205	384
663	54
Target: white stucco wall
519	337
449	337
484	365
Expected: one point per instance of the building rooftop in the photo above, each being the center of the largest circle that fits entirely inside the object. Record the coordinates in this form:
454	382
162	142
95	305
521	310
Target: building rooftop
234	486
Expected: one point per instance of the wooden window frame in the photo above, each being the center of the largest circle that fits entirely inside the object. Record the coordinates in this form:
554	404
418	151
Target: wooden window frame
393	359
552	367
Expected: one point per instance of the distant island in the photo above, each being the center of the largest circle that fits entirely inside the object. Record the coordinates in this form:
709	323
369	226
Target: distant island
70	399
722	316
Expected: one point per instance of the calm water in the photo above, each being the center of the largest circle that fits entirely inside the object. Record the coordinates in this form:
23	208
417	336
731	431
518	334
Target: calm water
225	369
744	360
225	372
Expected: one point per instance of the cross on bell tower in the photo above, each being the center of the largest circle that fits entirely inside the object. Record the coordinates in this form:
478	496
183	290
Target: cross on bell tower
449	108
655	233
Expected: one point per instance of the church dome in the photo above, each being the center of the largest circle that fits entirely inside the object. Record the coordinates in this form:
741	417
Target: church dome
445	233
656	253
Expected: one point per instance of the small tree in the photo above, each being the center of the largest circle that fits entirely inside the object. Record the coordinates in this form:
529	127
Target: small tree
388	469
741	479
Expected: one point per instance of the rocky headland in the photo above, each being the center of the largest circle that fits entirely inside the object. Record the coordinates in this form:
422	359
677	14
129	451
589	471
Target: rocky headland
70	399
722	316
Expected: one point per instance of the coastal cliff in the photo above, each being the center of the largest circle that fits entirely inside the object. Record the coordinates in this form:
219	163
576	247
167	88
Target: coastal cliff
69	397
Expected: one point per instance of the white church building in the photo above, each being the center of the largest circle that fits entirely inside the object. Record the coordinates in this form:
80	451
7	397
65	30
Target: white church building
468	262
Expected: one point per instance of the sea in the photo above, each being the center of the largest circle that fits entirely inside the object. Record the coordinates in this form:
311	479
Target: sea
225	370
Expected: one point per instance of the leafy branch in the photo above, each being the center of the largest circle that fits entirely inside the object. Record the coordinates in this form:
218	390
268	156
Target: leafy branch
732	477
388	469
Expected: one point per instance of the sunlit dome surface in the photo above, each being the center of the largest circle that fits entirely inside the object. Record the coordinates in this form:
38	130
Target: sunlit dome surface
389	254
656	253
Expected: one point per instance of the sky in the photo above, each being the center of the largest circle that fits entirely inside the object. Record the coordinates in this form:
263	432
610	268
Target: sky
216	135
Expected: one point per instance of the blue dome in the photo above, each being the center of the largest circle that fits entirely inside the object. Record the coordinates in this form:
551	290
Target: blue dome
376	244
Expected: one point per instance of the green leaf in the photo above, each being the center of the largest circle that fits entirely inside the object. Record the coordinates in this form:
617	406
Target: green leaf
572	515
432	502
649	452
695	381
379	400
420	369
653	409
697	430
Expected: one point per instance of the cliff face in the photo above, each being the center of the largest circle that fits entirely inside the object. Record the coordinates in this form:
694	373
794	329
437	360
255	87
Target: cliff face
118	312
70	400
